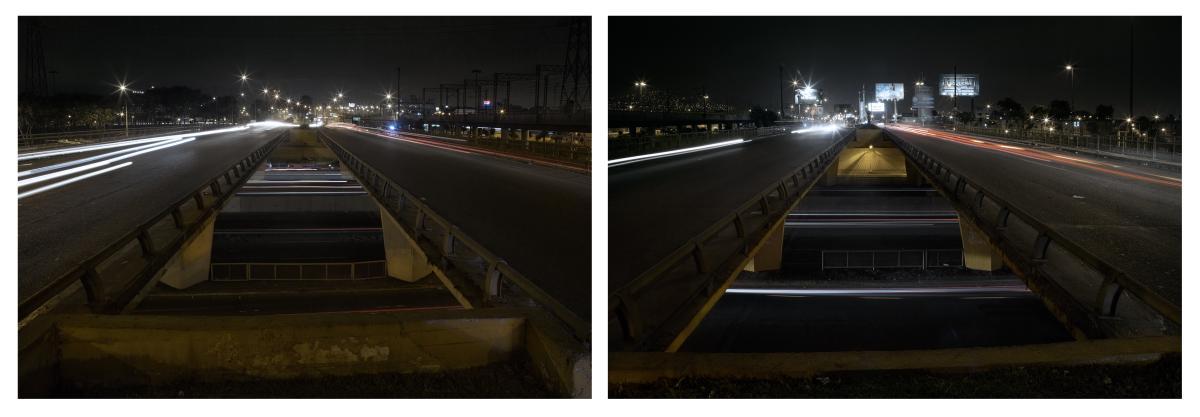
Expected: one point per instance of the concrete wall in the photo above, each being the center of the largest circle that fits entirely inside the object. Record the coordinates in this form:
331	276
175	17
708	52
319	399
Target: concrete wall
89	350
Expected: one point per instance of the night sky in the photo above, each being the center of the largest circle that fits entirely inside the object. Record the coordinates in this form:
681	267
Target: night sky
316	56
736	59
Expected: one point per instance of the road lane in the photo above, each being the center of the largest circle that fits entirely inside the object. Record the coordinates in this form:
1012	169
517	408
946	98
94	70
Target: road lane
61	228
657	205
1129	217
535	217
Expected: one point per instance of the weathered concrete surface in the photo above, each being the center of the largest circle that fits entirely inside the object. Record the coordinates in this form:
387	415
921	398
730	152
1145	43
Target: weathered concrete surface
189	266
642	367
770	255
88	351
405	260
978	252
140	350
558	358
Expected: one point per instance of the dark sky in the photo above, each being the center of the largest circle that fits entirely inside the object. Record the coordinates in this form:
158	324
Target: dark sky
737	58
316	56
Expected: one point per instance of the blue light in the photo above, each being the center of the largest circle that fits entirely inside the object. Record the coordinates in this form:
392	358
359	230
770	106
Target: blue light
391	127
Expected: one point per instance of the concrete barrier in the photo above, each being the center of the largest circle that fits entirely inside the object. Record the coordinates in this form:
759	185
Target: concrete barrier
83	351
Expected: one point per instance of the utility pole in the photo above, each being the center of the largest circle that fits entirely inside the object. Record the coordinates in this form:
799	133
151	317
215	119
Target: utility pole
781	91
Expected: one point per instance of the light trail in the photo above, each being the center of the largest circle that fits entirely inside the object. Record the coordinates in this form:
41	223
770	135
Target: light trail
459	148
877	291
1040	155
59	174
89	148
72	180
634	159
72	163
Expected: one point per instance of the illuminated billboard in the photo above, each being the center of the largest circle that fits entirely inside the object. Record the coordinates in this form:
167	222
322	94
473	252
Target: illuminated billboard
923	97
889	91
966	85
875	107
807	94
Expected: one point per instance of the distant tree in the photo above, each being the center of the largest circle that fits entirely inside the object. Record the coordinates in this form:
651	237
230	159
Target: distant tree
762	116
1142	123
1009	109
1104	112
1060	110
965	117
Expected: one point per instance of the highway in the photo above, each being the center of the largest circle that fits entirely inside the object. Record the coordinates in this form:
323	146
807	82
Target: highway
1127	215
899	316
537	218
657	205
61	227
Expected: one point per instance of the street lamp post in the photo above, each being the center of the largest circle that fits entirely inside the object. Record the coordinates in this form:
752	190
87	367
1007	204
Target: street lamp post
125	109
1071	71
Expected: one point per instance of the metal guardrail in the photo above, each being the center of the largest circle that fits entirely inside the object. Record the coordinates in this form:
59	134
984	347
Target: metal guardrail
641	145
296	271
186	218
896	258
448	247
648	311
1035	247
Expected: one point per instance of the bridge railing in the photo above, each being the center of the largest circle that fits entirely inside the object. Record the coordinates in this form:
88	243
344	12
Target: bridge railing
640	145
116	278
479	274
1086	286
297	271
650	311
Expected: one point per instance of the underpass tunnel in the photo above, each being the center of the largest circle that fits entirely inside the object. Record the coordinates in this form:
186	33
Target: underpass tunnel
874	258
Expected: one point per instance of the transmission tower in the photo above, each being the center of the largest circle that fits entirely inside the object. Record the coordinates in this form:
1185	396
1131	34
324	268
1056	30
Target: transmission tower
35	59
575	93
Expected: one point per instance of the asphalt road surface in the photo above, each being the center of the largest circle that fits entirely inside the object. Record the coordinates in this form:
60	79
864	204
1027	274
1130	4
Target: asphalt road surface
1128	216
535	217
60	228
828	319
657	205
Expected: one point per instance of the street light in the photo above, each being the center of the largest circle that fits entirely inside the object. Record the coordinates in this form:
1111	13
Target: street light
121	88
1071	70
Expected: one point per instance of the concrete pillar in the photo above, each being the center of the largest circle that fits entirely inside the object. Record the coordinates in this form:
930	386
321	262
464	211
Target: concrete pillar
978	252
770	255
190	265
405	260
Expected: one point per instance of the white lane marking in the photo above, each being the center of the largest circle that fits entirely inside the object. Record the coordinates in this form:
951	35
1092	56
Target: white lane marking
55	167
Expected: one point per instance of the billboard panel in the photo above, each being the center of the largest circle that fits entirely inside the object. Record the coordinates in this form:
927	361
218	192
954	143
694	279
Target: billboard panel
923	97
889	91
807	94
966	85
875	107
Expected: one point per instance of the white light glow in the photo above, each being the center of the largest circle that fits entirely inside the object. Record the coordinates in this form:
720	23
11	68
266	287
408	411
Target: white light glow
639	158
79	178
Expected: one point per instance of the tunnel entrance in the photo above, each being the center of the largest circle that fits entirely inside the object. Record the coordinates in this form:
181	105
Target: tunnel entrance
874	258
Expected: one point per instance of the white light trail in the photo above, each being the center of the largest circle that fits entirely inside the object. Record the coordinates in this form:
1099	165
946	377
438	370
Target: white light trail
866	291
89	148
64	173
646	157
69	164
79	178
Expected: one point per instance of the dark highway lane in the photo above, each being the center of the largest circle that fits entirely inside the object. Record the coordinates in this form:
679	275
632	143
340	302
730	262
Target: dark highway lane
536	218
657	205
61	228
1131	221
